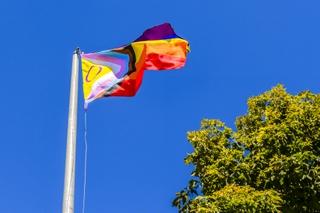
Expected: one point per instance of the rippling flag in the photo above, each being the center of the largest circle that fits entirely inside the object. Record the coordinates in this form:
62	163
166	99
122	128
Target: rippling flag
119	71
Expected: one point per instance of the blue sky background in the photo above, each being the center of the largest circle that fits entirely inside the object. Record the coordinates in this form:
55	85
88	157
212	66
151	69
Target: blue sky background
136	145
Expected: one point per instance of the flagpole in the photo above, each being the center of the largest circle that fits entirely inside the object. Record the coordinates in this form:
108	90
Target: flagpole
70	167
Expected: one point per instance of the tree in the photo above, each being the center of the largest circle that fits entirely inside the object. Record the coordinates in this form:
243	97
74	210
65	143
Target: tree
271	163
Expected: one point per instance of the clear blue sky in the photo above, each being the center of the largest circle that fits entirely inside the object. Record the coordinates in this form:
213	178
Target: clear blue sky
136	145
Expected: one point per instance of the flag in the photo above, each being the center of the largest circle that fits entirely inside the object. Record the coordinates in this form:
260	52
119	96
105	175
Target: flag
119	71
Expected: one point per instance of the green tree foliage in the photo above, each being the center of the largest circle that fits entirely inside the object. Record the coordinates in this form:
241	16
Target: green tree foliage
271	163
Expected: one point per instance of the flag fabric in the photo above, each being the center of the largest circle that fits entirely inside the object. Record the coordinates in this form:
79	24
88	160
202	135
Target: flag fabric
119	71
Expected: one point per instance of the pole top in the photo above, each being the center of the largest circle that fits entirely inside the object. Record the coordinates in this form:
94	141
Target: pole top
77	51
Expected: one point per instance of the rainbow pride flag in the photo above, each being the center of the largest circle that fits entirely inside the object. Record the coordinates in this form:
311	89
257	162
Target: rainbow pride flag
119	71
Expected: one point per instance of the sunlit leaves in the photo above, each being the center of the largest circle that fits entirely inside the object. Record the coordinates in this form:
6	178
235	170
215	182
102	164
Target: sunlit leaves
271	163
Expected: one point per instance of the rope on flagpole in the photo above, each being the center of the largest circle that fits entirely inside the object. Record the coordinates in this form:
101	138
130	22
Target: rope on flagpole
85	161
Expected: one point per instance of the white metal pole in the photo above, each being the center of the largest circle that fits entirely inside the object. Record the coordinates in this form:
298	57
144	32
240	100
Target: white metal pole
70	167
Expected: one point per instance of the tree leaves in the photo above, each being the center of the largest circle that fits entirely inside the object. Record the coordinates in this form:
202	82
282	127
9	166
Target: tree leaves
271	163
